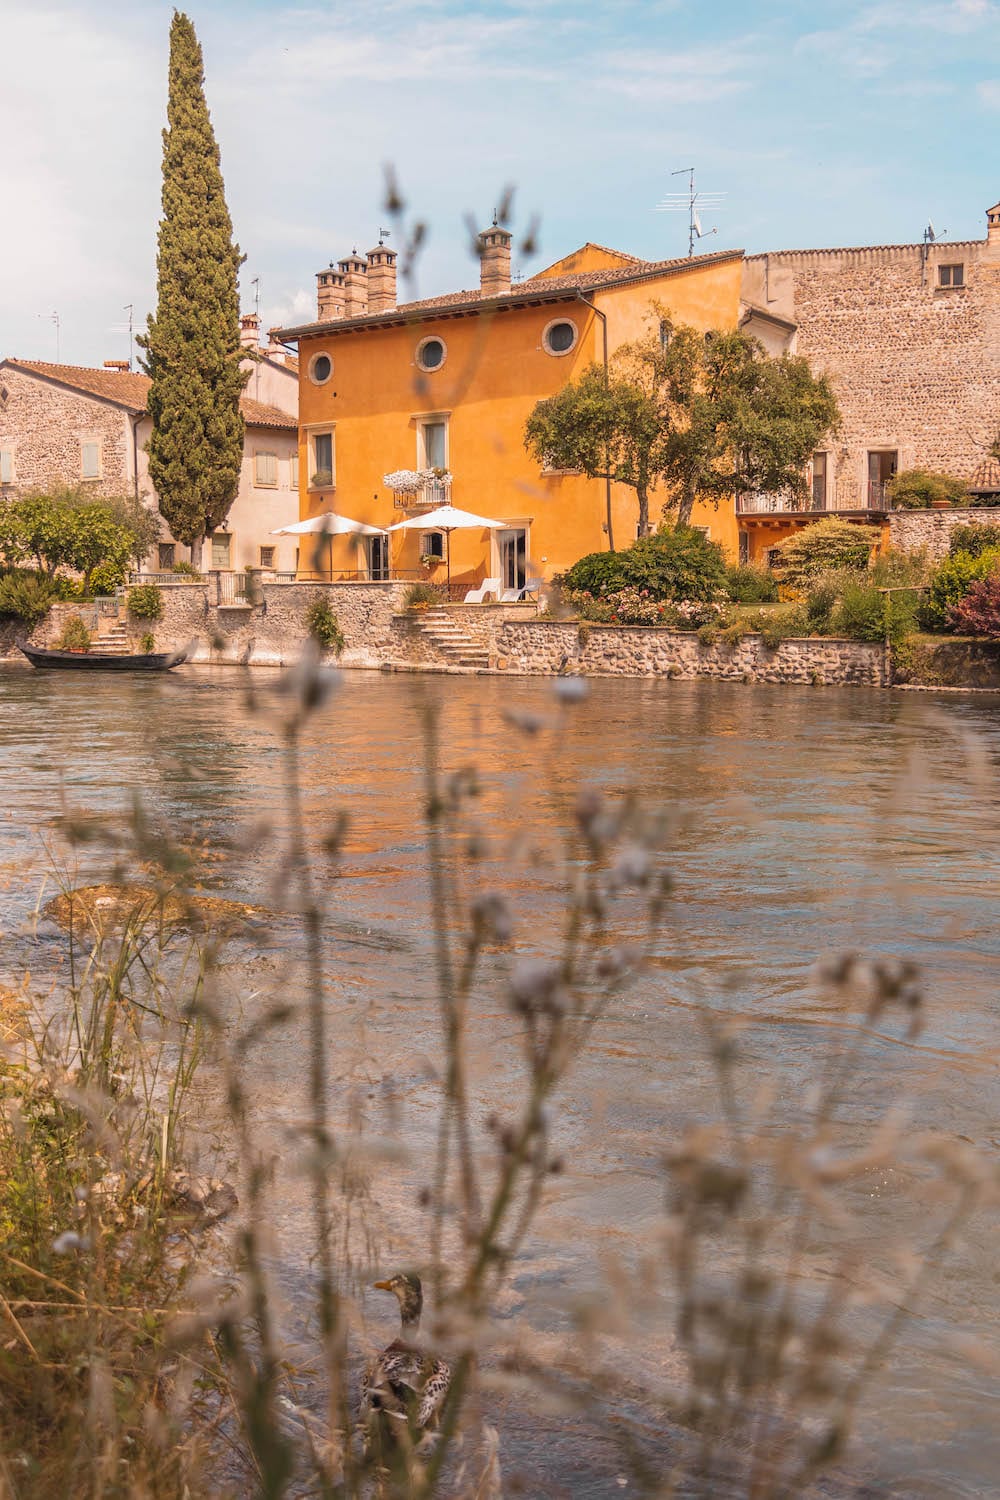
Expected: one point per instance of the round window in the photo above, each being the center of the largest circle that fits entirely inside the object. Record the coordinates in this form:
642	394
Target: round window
320	369
431	354
559	337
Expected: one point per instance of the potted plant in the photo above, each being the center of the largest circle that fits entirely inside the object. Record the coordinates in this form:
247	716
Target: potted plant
321	480
75	636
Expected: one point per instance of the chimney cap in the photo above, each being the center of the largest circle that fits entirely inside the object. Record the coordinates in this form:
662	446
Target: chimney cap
353	262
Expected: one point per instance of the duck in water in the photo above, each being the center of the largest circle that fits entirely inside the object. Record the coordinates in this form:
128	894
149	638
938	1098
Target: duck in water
406	1384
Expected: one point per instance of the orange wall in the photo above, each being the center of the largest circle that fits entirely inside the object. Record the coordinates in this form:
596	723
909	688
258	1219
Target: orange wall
495	371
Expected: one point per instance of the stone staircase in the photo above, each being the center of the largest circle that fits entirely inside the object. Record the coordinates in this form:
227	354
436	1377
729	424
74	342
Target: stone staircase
113	641
451	641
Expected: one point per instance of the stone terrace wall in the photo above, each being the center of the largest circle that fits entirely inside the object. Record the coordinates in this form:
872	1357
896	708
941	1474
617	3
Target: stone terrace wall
622	651
910	530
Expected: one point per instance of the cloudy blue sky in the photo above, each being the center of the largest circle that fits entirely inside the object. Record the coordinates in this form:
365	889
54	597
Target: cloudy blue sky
822	123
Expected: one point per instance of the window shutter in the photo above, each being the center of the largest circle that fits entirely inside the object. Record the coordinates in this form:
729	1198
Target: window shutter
90	456
267	468
6	466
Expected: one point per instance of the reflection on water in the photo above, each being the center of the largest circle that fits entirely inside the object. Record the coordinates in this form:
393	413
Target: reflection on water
802	821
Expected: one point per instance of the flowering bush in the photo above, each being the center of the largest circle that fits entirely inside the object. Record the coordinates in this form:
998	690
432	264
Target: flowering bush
692	614
634	606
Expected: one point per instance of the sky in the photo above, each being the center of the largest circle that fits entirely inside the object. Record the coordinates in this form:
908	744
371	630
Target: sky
822	124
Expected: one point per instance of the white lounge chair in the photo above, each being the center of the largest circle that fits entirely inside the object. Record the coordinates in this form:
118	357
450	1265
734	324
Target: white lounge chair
478	596
512	596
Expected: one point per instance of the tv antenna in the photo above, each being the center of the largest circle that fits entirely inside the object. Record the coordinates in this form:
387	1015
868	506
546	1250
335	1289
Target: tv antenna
131	313
689	203
52	318
256	295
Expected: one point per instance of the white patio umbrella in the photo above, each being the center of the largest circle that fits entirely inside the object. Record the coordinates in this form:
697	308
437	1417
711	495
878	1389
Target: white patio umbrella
329	525
449	518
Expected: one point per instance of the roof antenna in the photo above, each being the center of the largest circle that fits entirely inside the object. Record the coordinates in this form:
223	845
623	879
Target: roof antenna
689	202
131	312
52	317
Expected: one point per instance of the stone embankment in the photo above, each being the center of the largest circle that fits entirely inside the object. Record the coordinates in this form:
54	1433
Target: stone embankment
510	639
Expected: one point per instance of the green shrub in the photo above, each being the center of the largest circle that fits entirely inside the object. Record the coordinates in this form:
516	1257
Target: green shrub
323	626
864	613
895	569
950	583
145	602
147	643
750	584
680	564
75	636
918	489
820	602
107	578
187	570
600	611
823	546
26	596
777	625
975	539
422	596
597	573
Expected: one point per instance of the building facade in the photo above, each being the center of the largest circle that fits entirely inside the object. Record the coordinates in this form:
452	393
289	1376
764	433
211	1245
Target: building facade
441	390
909	335
65	424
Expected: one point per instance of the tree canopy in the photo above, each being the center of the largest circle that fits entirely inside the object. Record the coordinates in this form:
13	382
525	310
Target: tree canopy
192	346
701	416
67	528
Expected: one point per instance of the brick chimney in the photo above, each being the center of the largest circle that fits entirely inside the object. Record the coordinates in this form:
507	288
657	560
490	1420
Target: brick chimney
494	261
249	331
993	230
120	366
381	278
330	294
355	271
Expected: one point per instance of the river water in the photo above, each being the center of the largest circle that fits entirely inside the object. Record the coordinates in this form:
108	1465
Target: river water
801	822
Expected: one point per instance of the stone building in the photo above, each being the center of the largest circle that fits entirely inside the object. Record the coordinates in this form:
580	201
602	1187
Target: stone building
910	336
64	424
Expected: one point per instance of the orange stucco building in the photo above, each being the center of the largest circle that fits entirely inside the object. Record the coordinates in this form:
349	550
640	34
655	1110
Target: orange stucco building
442	389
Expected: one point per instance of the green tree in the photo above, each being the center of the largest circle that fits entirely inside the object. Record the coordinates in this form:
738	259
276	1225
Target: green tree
705	415
607	423
192	343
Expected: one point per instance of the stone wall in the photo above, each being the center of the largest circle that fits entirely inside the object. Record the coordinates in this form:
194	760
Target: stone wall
911	530
379	634
622	651
916	366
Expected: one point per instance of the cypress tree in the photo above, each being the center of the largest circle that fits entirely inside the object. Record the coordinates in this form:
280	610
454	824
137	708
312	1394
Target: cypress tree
192	344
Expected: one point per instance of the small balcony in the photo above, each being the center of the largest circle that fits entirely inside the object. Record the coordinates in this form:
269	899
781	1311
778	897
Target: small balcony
428	496
833	501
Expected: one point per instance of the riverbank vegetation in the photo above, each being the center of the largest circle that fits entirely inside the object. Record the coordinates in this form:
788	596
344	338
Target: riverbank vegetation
145	1351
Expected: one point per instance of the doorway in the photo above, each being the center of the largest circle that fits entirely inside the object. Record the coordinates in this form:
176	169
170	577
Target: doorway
881	467
513	549
377	557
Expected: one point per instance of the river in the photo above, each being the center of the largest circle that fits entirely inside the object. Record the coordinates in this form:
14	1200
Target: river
800	822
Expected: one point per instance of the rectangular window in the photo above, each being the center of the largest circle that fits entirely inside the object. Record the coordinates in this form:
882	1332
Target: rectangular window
221	544
90	460
322	461
951	275
166	556
6	466
266	470
819	482
267	557
744	548
432	445
293	472
432	544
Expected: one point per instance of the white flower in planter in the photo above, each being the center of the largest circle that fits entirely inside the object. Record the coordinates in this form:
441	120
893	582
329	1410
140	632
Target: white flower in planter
403	480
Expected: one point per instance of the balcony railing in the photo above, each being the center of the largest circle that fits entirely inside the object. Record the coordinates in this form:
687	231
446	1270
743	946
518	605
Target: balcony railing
871	497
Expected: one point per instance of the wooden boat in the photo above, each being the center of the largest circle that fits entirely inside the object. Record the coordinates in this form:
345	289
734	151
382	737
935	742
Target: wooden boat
95	661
